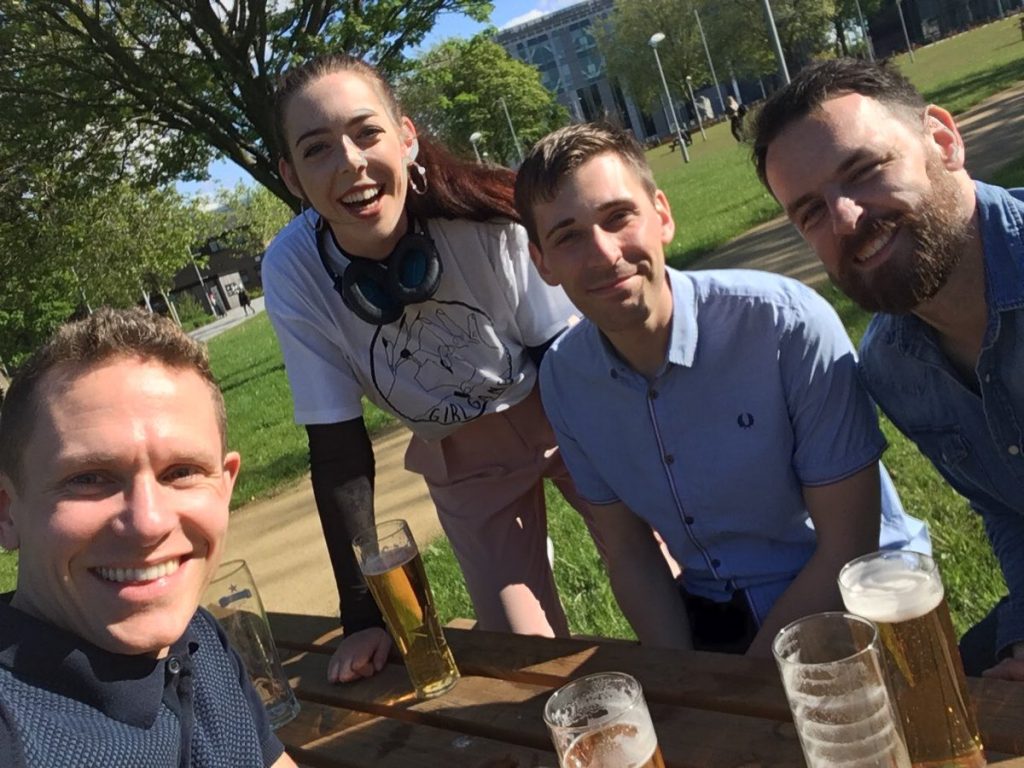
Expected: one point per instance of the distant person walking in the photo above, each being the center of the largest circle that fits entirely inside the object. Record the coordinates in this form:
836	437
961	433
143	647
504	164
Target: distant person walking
218	308
735	112
245	302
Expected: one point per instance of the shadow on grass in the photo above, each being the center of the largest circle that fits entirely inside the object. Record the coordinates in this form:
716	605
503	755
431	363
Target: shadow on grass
988	81
249	375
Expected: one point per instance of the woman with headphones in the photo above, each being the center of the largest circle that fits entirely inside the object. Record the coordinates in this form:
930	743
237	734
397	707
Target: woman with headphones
408	280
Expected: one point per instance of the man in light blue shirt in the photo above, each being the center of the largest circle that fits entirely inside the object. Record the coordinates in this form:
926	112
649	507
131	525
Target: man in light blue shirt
902	229
720	409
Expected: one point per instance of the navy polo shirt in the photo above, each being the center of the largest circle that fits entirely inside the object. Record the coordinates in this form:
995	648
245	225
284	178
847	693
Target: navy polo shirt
758	397
65	703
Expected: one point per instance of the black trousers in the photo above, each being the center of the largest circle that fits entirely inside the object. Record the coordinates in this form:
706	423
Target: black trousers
728	627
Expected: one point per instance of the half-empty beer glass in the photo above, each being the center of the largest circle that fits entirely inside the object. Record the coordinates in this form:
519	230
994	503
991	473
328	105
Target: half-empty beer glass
832	672
902	593
393	568
233	599
601	721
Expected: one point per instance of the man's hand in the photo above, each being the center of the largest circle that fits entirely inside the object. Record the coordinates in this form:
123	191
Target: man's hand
1009	669
361	655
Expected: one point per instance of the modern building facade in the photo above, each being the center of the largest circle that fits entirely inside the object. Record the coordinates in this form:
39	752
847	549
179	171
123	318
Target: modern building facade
562	46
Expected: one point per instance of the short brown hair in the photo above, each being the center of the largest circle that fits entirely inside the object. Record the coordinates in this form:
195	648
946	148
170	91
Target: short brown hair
827	80
81	345
561	152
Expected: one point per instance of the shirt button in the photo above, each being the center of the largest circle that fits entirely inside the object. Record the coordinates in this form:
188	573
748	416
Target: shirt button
653	394
1014	450
988	377
716	562
669	458
173	665
613	373
689	520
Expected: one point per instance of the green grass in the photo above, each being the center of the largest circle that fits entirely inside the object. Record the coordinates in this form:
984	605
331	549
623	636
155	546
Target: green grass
249	366
717	196
1011	174
958	72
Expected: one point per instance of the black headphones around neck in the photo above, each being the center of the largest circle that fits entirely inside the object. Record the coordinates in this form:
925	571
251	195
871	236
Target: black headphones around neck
378	291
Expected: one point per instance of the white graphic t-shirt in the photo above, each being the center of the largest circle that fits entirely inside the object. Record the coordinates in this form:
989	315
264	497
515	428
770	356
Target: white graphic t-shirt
446	361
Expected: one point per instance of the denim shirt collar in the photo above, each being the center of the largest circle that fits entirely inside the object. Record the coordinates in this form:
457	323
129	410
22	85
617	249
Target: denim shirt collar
1001	223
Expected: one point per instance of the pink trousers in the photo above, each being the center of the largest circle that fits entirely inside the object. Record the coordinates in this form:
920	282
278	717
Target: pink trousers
486	480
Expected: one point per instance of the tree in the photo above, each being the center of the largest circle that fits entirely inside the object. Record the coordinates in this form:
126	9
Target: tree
848	19
61	255
155	88
623	42
457	88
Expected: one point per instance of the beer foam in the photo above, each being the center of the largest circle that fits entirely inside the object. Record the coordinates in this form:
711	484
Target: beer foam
389	559
887	590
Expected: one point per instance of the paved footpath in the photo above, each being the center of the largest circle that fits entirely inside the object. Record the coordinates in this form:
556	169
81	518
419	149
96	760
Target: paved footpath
280	537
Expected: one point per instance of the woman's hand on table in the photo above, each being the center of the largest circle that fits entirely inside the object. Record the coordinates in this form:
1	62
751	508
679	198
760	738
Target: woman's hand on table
364	654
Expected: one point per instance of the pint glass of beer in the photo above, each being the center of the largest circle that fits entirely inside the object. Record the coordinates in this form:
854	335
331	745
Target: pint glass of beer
832	671
901	592
393	569
601	721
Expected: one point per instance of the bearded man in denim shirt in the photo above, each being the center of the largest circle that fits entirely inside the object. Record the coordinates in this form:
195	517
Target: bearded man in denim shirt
874	179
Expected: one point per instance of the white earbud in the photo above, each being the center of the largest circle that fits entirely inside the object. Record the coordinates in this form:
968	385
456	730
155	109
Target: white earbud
414	151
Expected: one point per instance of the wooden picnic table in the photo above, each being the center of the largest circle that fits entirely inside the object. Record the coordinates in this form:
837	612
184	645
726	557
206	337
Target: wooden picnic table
709	710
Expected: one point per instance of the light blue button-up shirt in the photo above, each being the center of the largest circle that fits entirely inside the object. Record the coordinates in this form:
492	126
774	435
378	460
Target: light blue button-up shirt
758	397
975	437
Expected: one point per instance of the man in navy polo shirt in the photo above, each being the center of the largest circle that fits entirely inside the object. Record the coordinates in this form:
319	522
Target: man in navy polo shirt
114	485
720	409
901	227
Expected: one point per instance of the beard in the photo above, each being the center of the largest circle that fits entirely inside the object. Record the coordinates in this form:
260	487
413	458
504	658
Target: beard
938	232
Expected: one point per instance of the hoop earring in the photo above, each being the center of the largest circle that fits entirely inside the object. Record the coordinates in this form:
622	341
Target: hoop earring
419	190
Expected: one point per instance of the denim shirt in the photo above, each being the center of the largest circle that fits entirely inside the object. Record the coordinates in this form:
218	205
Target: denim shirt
975	441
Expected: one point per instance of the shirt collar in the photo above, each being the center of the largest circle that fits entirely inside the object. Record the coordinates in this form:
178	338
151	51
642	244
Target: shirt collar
126	688
682	345
1001	222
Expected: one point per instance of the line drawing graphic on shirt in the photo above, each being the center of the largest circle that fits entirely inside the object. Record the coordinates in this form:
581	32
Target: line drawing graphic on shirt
454	354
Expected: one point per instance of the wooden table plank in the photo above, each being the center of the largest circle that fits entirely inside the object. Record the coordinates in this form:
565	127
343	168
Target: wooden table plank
346	739
705	681
511	712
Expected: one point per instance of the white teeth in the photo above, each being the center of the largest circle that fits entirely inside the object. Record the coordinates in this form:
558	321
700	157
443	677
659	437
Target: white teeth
153	572
874	246
361	195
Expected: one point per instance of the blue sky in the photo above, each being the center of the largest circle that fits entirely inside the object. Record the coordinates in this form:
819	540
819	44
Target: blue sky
506	13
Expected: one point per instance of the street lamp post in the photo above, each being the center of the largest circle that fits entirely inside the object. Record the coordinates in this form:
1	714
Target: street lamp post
474	137
512	130
711	66
202	284
903	23
864	31
700	123
656	38
776	43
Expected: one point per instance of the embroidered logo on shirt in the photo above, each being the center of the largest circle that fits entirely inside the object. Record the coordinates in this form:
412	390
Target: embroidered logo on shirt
745	420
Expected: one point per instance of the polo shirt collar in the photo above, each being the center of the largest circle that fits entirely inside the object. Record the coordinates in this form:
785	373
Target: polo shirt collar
126	688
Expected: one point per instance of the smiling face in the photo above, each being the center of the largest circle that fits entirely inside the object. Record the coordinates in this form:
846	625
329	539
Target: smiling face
121	508
881	197
348	159
602	238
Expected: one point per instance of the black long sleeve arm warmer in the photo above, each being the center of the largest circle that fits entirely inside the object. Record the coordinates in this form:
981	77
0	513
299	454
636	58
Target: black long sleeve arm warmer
342	467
